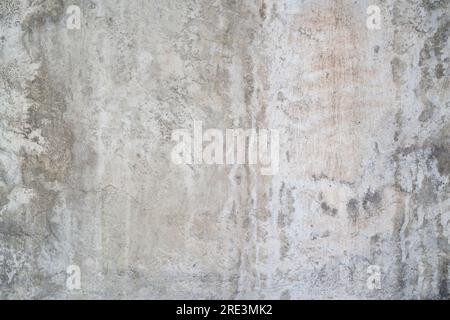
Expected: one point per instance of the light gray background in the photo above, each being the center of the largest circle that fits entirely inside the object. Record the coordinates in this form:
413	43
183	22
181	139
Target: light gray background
86	178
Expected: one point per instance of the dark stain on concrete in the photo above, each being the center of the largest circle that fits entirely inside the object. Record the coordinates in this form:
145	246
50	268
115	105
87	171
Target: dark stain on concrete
328	210
441	153
371	201
353	209
398	69
262	11
433	68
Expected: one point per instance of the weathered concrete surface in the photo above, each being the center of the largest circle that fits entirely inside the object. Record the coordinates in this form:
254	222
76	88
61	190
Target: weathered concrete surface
85	172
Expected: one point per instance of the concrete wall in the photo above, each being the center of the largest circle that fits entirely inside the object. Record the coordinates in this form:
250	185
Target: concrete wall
86	178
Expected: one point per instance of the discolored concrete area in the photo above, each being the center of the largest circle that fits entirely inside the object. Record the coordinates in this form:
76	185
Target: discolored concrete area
360	205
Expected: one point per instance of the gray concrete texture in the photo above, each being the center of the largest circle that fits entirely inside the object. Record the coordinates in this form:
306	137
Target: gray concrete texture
86	179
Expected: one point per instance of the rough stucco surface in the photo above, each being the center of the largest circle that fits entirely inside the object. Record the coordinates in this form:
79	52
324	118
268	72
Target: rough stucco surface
85	137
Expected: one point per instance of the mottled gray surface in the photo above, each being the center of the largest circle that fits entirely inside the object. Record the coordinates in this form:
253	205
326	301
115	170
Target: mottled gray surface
86	178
